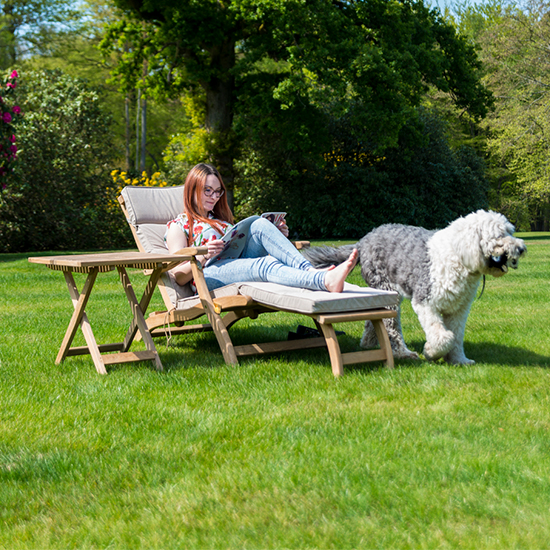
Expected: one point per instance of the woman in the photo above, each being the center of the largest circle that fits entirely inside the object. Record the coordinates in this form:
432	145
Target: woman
268	255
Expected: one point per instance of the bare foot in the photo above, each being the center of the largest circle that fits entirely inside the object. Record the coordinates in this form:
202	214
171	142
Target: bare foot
334	279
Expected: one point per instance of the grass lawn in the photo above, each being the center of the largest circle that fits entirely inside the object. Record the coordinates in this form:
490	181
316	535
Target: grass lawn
276	452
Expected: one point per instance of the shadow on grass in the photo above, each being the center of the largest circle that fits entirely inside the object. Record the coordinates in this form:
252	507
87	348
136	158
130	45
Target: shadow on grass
536	237
495	354
499	354
202	350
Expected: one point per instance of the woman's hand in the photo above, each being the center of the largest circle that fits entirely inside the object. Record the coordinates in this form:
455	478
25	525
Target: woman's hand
283	228
214	248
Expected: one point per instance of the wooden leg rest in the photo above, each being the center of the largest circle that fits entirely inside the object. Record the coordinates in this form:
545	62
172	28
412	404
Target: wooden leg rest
337	358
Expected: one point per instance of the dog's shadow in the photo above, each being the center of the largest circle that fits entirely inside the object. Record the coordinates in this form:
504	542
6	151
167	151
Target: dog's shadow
495	354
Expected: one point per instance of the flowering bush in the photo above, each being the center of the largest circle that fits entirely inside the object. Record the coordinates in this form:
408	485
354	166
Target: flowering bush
122	179
56	198
9	114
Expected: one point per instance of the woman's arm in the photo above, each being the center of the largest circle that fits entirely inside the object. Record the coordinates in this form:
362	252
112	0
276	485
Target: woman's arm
176	239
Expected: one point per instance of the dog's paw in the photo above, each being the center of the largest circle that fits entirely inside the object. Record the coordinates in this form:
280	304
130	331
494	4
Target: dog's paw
431	353
406	354
368	340
456	359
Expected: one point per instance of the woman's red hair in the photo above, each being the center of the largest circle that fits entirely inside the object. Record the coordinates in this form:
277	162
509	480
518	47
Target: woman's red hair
194	185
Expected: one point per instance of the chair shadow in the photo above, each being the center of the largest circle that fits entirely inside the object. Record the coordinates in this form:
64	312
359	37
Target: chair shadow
202	350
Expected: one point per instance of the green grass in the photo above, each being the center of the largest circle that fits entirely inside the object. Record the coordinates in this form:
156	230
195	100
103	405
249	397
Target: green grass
275	453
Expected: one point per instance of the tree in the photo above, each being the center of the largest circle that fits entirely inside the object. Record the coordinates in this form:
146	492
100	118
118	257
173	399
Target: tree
381	54
77	55
28	27
515	52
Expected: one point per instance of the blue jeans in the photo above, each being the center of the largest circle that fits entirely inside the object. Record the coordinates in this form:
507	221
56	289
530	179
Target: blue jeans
268	257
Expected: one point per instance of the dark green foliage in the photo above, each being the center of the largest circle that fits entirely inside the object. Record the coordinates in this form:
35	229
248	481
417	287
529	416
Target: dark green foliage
295	54
349	190
60	196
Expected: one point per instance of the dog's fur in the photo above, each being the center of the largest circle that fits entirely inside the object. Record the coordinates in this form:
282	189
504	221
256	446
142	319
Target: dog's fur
439	271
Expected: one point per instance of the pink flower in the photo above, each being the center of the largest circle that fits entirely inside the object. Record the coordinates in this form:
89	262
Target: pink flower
17	110
7	118
14	74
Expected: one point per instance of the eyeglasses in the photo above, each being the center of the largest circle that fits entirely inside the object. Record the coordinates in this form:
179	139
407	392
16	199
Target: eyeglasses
209	192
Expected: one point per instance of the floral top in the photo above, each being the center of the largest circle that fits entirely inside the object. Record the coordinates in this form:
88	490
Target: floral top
202	232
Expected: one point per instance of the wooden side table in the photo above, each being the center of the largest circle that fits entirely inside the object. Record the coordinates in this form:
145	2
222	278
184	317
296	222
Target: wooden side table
93	264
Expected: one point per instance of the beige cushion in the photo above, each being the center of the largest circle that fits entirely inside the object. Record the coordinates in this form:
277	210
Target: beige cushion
149	210
299	300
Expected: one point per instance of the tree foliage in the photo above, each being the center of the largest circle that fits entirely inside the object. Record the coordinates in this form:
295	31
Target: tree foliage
32	27
514	49
420	181
278	55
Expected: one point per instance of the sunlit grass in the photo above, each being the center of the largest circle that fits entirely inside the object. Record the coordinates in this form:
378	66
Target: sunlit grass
276	452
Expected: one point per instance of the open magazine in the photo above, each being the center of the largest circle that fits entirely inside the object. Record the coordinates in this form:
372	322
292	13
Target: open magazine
235	238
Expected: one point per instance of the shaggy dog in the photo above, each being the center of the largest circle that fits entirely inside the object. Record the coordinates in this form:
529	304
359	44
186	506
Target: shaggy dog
439	271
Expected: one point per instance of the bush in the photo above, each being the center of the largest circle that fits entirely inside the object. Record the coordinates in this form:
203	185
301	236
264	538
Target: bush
59	197
350	188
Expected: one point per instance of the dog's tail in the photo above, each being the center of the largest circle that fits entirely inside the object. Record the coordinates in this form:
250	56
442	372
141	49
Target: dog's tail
325	256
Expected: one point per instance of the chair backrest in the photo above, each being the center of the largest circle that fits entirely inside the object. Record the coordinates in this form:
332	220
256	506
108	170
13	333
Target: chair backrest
148	210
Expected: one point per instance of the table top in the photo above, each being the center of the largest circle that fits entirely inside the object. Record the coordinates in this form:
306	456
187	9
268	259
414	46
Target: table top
114	259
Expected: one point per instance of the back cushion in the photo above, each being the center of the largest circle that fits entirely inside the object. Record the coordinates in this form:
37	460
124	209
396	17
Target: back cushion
149	210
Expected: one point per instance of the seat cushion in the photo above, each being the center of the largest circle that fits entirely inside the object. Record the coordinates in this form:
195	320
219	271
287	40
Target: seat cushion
298	300
353	298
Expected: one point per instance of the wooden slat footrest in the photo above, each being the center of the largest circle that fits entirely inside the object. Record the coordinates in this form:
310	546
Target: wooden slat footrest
103	348
129	357
351	358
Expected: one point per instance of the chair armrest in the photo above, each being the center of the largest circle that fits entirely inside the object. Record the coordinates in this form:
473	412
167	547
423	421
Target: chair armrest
192	251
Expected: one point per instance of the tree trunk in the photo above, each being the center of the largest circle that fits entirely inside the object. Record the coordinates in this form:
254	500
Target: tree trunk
143	133
138	109
127	132
219	112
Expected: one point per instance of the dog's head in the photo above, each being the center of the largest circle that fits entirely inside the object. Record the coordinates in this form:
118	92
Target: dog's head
488	243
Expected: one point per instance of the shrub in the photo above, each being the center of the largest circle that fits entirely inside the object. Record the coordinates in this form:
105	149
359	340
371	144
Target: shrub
60	194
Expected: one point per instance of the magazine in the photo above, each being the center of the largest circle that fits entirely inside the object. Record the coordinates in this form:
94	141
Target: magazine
235	238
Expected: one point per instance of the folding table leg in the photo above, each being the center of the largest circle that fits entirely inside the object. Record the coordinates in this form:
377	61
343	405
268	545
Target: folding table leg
143	304
79	317
138	316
